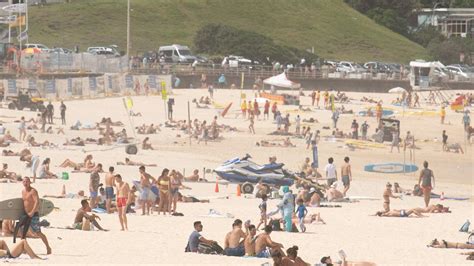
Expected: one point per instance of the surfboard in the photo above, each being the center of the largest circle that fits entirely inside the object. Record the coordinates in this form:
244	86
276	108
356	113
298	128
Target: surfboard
226	110
12	209
153	188
363	143
391	168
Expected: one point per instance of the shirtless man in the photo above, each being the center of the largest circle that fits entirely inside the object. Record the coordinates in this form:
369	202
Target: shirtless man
109	188
145	195
249	242
194	177
263	243
123	191
31	203
232	244
334	195
387	194
346	175
83	220
438	208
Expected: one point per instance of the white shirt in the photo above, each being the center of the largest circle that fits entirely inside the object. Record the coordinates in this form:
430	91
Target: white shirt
331	171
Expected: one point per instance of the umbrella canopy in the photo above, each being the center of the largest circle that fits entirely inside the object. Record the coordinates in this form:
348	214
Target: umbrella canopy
281	81
397	90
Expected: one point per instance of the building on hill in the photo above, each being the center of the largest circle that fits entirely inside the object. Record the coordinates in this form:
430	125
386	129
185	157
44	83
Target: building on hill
451	22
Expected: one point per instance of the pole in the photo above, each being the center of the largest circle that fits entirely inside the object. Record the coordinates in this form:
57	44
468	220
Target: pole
9	28
189	126
128	28
26	29
19	24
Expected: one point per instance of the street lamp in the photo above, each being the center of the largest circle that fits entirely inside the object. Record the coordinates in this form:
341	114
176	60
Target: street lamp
128	28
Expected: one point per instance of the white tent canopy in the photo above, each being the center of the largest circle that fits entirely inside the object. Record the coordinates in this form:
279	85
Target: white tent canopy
281	81
426	64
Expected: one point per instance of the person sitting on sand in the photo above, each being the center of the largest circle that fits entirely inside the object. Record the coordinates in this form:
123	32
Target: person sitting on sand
264	245
195	238
44	171
146	145
83	220
19	248
249	242
232	244
292	258
399	213
455	147
194	177
132	163
8	229
79	195
5	174
334	195
445	244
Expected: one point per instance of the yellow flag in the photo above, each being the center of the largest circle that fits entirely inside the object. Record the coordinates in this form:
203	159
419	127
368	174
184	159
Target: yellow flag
129	103
20	21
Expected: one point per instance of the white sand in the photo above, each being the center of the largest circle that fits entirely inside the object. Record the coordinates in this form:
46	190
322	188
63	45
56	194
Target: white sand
161	239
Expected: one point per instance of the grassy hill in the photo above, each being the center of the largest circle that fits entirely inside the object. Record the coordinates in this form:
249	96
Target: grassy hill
335	30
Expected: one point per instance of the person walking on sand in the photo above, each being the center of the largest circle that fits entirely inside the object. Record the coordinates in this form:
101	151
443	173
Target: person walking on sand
62	109
426	182
31	203
266	110
243	107
252	122
346	175
94	183
445	141
22	128
50	109
331	172
146	198
109	188
123	190
395	141
313	97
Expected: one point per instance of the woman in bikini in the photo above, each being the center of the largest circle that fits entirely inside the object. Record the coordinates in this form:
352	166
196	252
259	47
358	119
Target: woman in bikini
175	185
88	164
445	244
164	185
399	213
19	248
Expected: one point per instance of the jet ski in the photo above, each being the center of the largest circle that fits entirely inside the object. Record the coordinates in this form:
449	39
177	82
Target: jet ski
244	171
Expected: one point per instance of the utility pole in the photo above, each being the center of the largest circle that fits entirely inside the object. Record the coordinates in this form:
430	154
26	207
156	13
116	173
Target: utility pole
128	28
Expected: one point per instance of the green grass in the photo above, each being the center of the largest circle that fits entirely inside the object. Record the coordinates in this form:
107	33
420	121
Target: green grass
334	29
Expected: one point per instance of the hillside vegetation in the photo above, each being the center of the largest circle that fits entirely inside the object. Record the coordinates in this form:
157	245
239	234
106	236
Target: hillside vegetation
335	30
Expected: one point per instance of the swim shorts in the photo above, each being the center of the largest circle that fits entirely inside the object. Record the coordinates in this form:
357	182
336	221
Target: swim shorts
109	192
403	213
345	180
94	194
236	252
121	202
263	254
77	226
35	223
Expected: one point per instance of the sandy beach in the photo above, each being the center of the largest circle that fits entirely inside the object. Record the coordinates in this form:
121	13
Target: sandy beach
161	239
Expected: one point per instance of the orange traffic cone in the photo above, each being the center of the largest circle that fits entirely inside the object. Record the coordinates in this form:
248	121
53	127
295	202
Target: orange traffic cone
217	187
238	191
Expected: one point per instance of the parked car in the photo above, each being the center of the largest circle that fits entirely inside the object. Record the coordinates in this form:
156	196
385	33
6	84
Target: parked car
349	67
60	50
38	46
104	50
176	53
235	61
458	70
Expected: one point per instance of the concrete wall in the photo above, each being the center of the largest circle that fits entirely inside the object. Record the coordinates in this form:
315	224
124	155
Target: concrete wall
356	85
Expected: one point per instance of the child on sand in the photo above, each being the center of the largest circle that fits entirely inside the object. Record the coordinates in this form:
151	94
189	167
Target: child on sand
301	211
263	211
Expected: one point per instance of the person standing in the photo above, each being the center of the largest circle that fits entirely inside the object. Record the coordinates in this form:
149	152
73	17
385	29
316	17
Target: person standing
109	188
287	206
379	112
123	190
243	107
252	122
466	120
335	117
364	128
395	140
387	194
274	110
170	108
301	212
313	97
442	114
331	172
94	182
355	129
31	203
318	96
266	110
164	186
346	175
210	89
62	108
50	108
146	198
44	119
426	182
256	109
22	128
445	141
298	124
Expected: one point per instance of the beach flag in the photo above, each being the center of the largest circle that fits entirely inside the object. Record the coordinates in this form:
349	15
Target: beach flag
216	189
129	102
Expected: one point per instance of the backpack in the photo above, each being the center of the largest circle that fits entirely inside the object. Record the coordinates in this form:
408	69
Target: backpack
210	249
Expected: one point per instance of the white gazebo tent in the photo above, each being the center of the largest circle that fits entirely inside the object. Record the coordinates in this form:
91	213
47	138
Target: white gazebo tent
281	81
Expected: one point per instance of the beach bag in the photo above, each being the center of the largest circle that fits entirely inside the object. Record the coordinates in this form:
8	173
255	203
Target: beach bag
210	249
465	227
276	226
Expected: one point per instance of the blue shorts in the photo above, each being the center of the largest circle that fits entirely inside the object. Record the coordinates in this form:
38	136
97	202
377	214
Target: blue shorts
35	223
237	251
263	254
109	192
94	194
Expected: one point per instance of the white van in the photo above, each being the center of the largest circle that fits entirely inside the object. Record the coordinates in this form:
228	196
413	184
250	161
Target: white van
176	53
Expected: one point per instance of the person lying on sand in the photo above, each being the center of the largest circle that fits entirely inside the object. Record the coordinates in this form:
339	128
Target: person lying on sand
455	147
79	195
326	260
8	138
285	143
108	120
87	165
445	244
87	126
83	220
30	140
309	219
190	199
8	228
438	208
399	213
310	120
132	163
6	175
19	248
200	102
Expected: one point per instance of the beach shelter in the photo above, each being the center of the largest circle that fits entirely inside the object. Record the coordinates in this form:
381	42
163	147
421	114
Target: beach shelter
281	81
397	90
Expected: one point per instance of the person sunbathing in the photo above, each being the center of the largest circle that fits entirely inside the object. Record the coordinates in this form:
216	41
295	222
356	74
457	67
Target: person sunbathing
132	163
308	219
455	147
191	199
334	195
19	248
438	208
79	195
445	244
399	213
11	176
32	142
108	121
8	138
10	153
87	165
